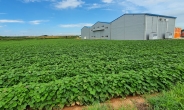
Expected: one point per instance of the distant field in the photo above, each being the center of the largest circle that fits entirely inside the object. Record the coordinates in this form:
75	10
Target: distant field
58	72
37	37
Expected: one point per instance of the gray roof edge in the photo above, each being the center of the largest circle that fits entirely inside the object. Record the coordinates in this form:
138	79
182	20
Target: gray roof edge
96	23
86	26
101	22
149	14
104	22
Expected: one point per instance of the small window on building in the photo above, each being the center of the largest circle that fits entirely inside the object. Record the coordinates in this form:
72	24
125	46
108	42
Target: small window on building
106	27
102	25
106	36
94	28
98	27
102	36
94	36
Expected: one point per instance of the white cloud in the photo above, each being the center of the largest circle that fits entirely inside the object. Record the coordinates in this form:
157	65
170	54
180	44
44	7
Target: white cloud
11	21
147	2
28	1
36	22
107	1
95	5
159	6
69	4
75	25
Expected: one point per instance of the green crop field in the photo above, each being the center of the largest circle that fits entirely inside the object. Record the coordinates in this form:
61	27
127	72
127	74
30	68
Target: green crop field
54	73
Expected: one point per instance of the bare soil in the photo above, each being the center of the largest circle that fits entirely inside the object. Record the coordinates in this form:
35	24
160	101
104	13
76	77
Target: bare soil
130	102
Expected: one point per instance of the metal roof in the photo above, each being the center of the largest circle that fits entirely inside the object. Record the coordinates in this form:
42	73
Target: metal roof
86	26
101	22
149	14
96	23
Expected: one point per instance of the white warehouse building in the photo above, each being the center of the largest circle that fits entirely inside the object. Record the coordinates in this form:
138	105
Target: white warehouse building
140	26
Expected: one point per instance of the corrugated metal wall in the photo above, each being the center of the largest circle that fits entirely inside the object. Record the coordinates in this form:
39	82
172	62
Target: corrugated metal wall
128	27
117	28
85	32
159	25
100	30
132	27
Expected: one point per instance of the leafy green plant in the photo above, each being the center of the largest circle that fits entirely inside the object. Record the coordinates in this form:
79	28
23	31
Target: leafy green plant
56	73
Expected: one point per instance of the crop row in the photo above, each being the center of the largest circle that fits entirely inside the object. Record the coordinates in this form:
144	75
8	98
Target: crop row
85	90
48	73
45	61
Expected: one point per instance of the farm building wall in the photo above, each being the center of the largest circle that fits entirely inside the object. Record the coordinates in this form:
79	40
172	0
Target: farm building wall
85	34
100	30
133	27
159	25
128	27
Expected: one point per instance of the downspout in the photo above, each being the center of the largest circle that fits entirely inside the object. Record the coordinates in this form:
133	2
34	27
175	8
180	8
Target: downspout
157	25
110	30
174	27
89	33
124	28
145	27
167	26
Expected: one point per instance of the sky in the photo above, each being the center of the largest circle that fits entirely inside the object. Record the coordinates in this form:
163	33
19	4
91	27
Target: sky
67	17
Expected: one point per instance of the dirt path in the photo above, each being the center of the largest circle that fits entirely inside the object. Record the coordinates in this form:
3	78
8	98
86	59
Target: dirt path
130	102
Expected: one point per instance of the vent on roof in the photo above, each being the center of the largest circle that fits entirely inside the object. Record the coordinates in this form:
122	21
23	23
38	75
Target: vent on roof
161	19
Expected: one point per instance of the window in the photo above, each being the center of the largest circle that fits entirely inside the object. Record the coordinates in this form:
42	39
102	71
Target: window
94	36
106	36
102	36
98	27
106	27
102	25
